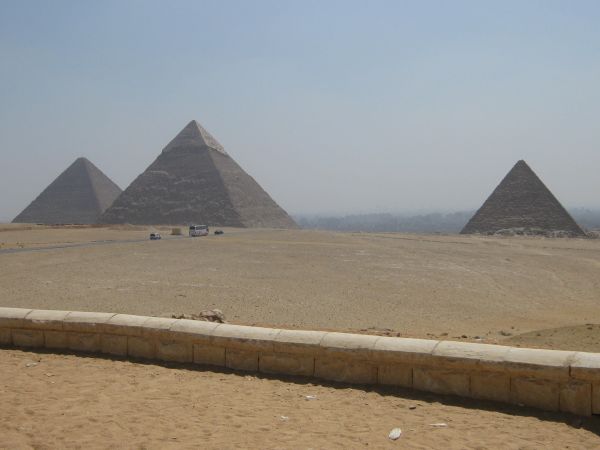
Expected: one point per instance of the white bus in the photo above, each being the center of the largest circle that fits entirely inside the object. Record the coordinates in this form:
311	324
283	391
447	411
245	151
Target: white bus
198	230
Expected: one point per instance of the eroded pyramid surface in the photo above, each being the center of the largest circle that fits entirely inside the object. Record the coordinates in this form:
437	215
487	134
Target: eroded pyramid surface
79	195
194	180
522	201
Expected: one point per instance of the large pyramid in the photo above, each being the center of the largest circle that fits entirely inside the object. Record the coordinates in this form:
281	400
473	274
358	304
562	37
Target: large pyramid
522	201
78	195
194	180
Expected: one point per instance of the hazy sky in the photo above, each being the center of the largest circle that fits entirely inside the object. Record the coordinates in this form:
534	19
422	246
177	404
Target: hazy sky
332	106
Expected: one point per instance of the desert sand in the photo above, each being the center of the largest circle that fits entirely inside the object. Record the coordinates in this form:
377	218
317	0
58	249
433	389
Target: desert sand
486	289
516	291
67	401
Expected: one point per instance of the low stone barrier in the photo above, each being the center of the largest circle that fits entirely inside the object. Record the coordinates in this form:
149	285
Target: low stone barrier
550	380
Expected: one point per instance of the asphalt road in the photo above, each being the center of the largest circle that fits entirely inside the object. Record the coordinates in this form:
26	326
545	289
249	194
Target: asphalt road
80	244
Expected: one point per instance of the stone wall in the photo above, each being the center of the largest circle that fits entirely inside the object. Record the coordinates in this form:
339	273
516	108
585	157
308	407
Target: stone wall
550	380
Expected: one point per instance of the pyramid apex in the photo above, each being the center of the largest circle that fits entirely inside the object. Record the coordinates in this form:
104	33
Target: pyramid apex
195	134
82	160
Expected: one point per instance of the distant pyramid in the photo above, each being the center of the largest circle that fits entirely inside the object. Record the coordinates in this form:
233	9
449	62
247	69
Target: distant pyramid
79	195
194	180
521	200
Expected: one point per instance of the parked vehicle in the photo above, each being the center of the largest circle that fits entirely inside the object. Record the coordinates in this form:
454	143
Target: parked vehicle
155	236
218	231
198	230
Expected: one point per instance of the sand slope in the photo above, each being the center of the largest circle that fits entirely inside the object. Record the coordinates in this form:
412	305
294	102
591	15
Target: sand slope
415	285
67	401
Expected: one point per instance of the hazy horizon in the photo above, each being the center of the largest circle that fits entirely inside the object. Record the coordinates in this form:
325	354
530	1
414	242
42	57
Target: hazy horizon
335	107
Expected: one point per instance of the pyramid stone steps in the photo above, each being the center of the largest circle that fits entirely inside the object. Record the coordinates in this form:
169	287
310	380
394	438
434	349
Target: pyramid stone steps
79	195
522	201
194	180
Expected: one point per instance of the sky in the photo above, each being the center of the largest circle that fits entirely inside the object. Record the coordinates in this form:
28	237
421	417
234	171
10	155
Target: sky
334	107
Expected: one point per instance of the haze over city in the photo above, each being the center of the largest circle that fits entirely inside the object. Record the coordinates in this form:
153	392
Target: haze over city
333	107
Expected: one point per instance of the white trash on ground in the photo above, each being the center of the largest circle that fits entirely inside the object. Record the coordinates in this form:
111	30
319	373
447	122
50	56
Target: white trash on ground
395	434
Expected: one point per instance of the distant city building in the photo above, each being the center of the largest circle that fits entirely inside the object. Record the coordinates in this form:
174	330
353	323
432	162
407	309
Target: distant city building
194	180
522	203
79	195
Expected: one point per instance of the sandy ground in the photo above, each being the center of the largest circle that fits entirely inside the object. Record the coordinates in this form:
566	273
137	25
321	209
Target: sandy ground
520	291
517	291
67	401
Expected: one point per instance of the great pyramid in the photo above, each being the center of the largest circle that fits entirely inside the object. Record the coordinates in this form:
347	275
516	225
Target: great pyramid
522	201
78	195
194	180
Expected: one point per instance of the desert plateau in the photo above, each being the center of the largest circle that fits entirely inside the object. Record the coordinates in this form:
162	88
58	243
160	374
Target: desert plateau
519	291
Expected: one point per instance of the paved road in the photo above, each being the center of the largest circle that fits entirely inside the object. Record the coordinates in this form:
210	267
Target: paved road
94	243
79	244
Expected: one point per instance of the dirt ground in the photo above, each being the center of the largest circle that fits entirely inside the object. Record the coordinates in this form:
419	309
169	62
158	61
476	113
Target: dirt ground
520	291
516	291
68	401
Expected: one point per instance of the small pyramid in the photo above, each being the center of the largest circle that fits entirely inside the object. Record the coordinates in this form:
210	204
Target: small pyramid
522	201
78	195
194	180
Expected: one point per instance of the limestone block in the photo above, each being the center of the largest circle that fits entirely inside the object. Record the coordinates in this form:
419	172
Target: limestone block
287	363
5	337
404	350
345	370
209	354
596	398
125	325
299	341
586	366
45	319
535	392
490	386
244	338
241	359
395	375
113	344
27	338
441	381
193	330
139	347
576	397
84	342
56	339
470	356
13	317
157	327
544	364
86	322
345	345
176	351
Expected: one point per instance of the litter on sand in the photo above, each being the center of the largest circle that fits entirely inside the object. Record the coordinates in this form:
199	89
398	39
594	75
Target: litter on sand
395	434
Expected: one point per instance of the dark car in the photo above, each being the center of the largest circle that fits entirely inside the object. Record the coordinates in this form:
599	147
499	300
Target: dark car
218	231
